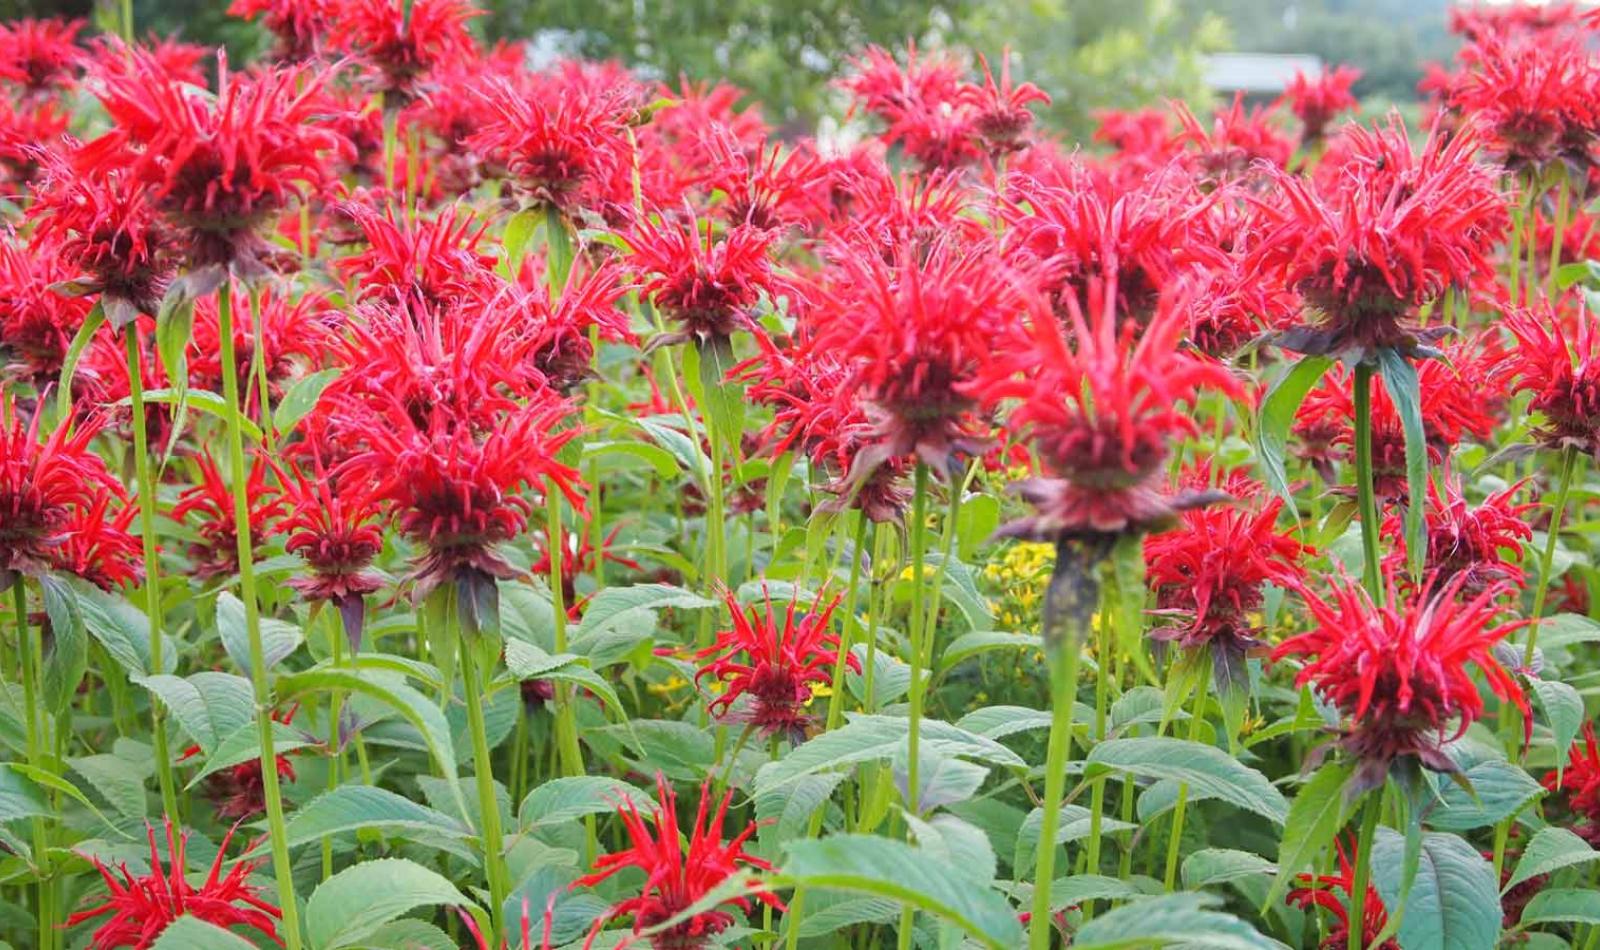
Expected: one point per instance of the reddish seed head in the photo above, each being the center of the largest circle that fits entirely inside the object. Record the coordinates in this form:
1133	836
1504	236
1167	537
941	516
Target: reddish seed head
141	906
675	878
770	666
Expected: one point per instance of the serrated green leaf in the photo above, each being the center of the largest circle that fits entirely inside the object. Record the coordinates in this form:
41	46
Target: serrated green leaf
353	807
1550	849
1205	768
1183	920
565	799
1453	902
192	933
1400	378
1315	816
1278	409
1566	905
352	904
300	399
881	867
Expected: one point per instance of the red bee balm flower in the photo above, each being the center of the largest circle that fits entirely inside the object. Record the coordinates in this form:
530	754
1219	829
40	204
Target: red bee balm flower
98	546
1580	782
141	907
782	662
1103	400
237	791
1324	891
674	879
915	332
40	56
1392	231
1560	366
215	550
1479	542
45	488
219	167
1399	671
335	530
709	287
109	236
1210	571
404	50
297	26
455	490
1317	101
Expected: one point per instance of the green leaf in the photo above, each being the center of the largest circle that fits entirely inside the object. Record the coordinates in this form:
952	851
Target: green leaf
663	462
1499	790
866	738
1453	903
1400	378
969	645
92	323
244	745
520	228
722	399
1219	865
49	780
416	708
1278	409
1315	817
21	796
120	781
1567	905
611	605
210	403
210	706
1079	888
1205	768
565	799
1564	708
352	807
278	638
1550	849
192	933
348	907
880	867
119	626
1075	824
412	934
526	661
300	399
787	810
1171	919
68	658
997	722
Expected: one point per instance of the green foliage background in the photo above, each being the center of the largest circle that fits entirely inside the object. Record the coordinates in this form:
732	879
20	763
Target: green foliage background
1089	54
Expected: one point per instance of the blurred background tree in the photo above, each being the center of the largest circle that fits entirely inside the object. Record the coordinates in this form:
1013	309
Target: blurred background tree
1088	54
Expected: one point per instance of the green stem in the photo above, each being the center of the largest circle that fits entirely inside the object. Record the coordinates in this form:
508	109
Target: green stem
1366	501
1569	465
1063	694
1102	696
258	359
335	713
919	531
869	680
148	502
126	21
483	774
262	688
30	698
1179	809
836	698
1559	232
566	712
1363	870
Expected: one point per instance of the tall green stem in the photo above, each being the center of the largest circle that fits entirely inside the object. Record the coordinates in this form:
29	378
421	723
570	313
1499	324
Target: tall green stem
1366	500
31	677
919	540
566	718
148	502
1569	465
1063	694
1558	233
1363	871
1180	807
1102	697
259	682
258	359
483	774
